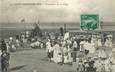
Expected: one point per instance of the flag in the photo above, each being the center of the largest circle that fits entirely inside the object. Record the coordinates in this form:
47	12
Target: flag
66	36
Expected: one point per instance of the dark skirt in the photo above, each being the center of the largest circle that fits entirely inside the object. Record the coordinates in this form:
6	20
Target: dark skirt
74	56
4	66
86	52
50	54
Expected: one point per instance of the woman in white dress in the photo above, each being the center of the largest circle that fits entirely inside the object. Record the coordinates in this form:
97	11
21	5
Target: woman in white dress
99	43
102	54
69	55
57	53
60	57
92	47
8	47
65	53
98	65
107	43
49	49
110	42
17	43
108	65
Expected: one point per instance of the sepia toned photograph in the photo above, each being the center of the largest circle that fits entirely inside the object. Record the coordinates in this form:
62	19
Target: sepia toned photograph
57	35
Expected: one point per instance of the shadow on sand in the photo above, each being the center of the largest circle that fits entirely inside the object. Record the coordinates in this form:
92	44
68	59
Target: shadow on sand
17	67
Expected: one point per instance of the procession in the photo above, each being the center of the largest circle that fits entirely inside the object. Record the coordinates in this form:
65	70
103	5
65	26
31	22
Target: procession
57	35
85	51
88	52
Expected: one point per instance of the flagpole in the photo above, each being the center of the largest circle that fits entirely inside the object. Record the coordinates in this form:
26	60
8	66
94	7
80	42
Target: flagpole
22	21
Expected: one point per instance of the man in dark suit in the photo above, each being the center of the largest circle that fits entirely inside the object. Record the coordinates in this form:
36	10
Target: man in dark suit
5	61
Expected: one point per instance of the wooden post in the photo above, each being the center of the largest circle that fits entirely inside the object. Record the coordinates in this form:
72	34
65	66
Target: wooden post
65	28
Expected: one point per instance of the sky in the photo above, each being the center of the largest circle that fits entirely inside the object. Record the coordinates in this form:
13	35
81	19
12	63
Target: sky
29	11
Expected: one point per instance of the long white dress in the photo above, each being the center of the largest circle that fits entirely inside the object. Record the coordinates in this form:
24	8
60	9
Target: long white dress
57	50
74	44
102	54
69	55
65	51
48	46
98	64
110	43
66	36
99	42
107	43
90	47
8	48
59	57
107	65
17	42
81	45
86	45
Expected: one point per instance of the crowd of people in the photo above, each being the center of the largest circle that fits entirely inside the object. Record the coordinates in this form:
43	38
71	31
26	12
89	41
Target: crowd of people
88	52
11	44
22	41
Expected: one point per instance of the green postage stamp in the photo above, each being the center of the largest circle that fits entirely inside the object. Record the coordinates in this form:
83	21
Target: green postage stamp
89	22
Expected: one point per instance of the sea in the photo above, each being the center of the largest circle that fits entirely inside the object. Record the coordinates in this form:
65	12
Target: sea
12	29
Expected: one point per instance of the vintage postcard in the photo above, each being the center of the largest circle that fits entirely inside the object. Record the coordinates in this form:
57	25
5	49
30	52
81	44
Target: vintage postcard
57	35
